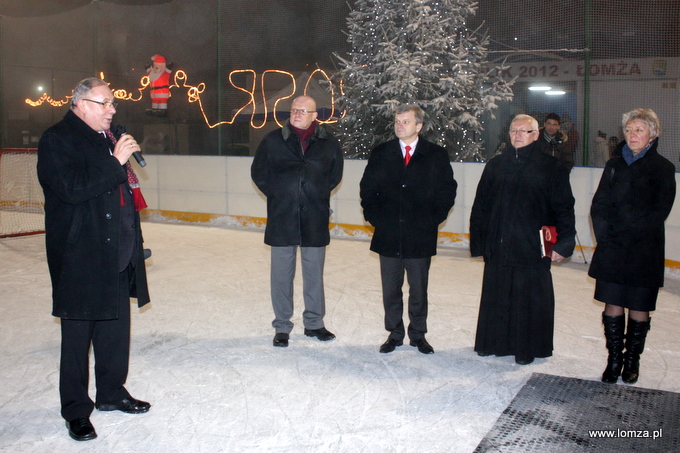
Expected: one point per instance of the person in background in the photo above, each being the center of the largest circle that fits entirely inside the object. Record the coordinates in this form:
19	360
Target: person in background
612	143
94	249
553	142
519	192
407	190
568	128
632	201
296	167
600	154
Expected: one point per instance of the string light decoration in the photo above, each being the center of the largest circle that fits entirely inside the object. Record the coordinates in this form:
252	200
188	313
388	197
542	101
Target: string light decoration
331	118
251	93
193	92
45	98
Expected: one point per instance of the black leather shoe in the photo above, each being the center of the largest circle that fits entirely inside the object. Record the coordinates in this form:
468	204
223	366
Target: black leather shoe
483	354
81	429
281	340
523	360
322	334
423	346
128	405
390	345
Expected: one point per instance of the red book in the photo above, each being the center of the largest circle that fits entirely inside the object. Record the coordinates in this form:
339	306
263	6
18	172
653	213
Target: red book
548	238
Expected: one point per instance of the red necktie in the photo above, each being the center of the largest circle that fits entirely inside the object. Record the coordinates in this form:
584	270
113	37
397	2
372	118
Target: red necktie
133	181
407	156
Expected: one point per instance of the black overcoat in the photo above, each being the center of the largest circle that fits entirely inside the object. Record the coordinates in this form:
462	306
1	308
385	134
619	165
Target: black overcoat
297	185
628	212
81	181
519	192
406	204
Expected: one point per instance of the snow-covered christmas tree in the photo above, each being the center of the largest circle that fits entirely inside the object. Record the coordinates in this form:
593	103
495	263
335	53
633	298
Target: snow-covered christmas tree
417	51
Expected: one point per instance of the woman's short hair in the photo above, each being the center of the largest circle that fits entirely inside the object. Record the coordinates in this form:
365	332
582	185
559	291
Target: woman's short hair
83	88
648	116
417	111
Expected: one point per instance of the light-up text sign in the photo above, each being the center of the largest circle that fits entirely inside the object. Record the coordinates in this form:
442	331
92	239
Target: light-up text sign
180	80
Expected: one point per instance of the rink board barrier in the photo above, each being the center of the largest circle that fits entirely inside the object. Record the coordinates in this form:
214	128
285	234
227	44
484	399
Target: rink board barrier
361	232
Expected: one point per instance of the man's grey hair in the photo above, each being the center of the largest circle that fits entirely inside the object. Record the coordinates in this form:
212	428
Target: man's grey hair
523	116
417	111
83	89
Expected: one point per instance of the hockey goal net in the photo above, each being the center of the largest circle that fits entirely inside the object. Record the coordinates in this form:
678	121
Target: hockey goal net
21	198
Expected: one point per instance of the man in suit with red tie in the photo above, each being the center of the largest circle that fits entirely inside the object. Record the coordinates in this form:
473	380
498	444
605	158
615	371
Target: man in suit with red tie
407	190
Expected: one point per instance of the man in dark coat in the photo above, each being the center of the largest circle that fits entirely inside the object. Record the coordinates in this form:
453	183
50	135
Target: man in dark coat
520	191
94	253
296	167
407	190
552	141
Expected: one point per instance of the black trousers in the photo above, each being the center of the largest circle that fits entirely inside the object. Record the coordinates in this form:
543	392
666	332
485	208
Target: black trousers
110	341
392	275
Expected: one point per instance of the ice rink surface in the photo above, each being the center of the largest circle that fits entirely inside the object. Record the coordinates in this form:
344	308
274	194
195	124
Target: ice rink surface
202	354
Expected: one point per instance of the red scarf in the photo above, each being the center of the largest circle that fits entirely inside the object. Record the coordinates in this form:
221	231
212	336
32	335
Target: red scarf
133	181
304	134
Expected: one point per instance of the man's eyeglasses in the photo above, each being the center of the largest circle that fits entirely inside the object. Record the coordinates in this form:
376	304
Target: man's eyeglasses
105	104
300	111
520	132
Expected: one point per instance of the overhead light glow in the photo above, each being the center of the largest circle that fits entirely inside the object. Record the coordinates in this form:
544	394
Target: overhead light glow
540	88
555	92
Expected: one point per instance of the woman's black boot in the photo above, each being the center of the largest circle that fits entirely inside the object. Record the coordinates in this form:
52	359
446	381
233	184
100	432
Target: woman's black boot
614	329
635	345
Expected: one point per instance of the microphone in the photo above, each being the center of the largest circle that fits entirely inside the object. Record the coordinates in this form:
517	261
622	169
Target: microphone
119	131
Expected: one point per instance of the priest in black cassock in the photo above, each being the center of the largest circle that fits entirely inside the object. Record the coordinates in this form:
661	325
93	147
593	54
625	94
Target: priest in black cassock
520	191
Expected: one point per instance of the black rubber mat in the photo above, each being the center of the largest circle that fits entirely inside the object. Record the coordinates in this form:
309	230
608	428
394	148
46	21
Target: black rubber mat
559	414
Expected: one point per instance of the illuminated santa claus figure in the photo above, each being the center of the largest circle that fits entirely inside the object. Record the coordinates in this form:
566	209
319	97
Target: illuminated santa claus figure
159	81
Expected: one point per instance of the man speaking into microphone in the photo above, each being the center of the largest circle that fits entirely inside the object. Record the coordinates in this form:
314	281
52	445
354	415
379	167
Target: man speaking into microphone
94	252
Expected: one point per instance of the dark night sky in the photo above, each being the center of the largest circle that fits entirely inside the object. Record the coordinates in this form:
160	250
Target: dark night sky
37	8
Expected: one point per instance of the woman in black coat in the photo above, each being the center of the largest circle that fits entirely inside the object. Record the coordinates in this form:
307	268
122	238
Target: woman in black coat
632	201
